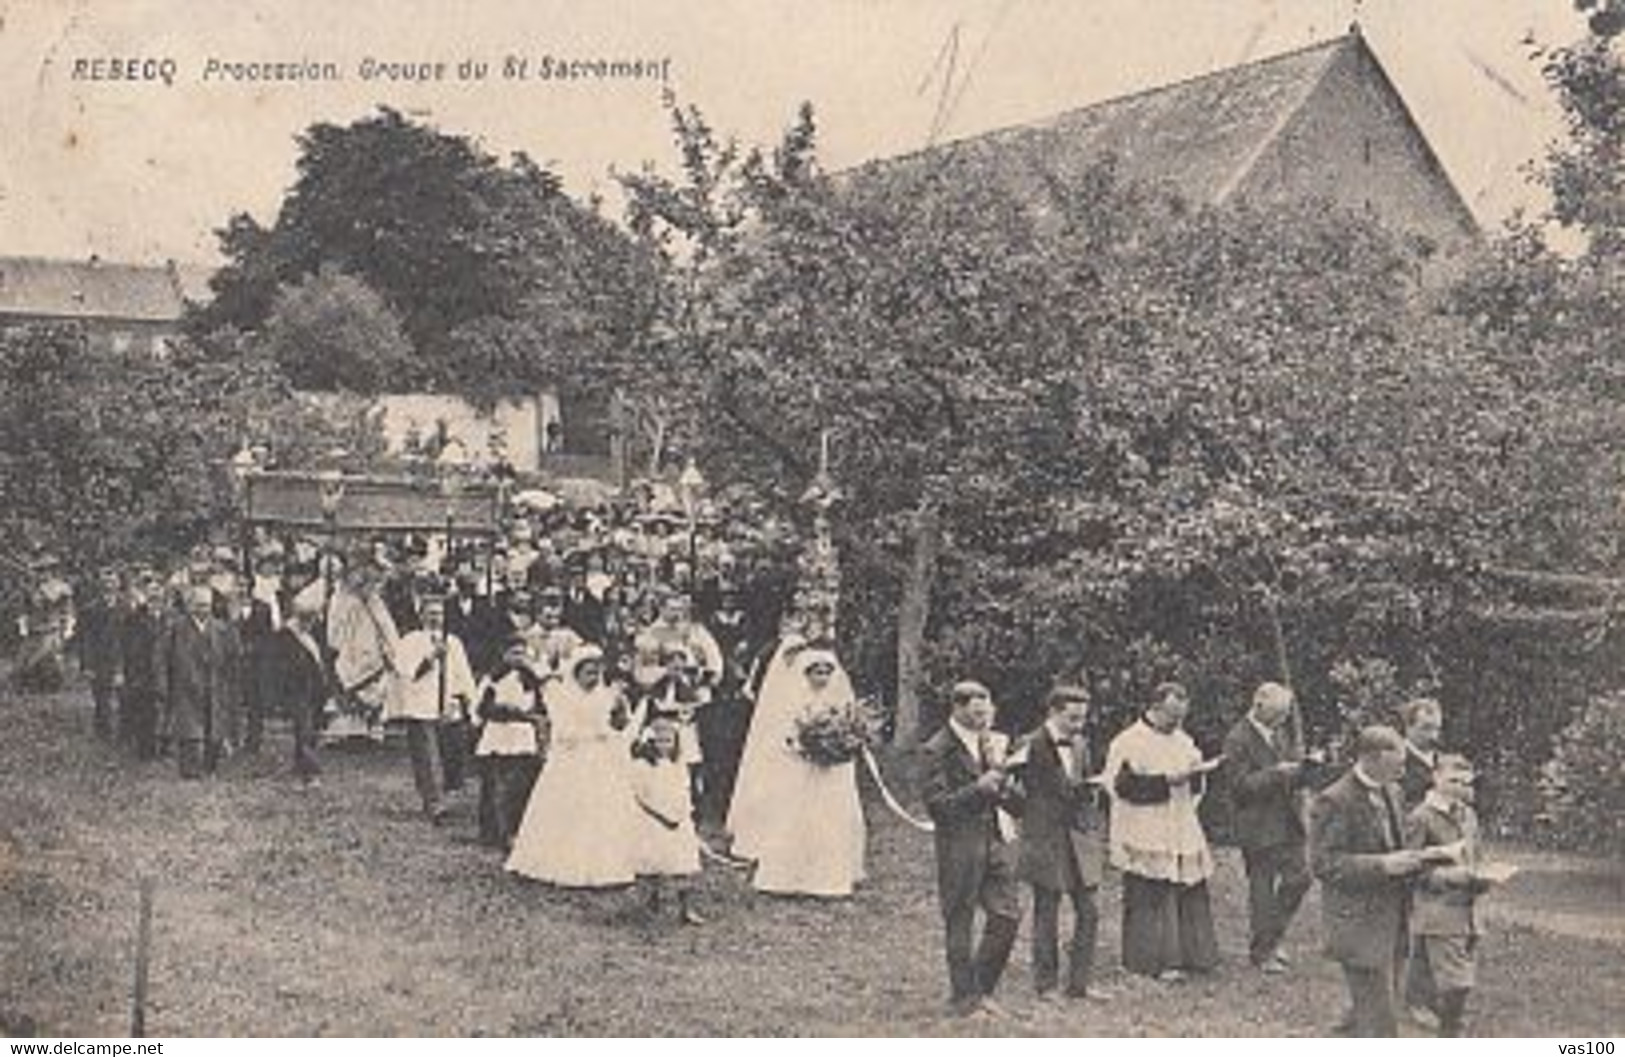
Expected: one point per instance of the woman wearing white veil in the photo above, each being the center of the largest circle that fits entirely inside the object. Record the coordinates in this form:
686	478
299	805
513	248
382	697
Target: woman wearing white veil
801	822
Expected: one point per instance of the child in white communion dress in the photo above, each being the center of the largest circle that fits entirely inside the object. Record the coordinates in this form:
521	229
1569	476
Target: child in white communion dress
668	848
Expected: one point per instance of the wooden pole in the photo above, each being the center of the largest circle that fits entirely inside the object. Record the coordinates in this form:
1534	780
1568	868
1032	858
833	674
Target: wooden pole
450	531
143	960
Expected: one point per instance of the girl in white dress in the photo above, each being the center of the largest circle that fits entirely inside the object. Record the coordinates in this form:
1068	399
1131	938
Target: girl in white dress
581	827
801	821
668	847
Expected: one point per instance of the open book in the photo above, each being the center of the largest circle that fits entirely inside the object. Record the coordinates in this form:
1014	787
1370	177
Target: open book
1495	872
1205	767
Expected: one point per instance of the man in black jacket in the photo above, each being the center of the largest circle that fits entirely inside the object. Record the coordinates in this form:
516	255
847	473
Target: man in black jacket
1062	849
295	680
965	781
138	639
1266	775
99	653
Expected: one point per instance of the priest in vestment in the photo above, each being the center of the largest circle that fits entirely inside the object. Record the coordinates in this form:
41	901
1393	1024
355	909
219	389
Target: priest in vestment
1155	774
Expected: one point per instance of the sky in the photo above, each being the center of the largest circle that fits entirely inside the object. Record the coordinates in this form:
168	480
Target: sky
146	170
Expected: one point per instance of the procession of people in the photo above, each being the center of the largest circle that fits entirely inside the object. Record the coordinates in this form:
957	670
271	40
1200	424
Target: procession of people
634	705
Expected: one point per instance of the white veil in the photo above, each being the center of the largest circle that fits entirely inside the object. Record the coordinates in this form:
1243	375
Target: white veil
769	766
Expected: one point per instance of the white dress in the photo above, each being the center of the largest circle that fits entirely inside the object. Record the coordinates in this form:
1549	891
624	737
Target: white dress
802	822
663	787
581	827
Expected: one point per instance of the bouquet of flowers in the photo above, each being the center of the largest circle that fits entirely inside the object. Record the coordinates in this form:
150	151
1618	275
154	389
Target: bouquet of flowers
836	734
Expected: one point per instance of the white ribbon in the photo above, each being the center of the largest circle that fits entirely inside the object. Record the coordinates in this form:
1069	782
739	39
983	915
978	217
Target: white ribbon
891	801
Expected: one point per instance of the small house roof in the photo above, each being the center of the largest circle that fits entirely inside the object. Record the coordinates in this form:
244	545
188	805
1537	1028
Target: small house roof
90	289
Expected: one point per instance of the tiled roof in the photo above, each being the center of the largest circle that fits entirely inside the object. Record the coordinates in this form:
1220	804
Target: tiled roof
1198	136
89	289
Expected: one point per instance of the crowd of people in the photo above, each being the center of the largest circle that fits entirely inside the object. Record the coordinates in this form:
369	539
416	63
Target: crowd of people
632	694
620	639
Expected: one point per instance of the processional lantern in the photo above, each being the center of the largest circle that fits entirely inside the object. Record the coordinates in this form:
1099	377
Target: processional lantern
818	587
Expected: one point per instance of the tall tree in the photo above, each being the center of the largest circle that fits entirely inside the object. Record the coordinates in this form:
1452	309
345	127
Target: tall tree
109	457
331	331
465	249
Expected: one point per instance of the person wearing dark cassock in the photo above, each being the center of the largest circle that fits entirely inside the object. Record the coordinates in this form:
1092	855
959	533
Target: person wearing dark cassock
1267	774
198	662
1156	776
99	654
1062	848
138	642
296	681
965	783
1357	853
508	754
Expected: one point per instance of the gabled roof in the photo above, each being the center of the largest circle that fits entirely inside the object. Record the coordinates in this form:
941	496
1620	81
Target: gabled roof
89	289
1199	137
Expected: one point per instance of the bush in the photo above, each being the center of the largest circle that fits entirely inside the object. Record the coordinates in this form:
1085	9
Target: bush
1583	785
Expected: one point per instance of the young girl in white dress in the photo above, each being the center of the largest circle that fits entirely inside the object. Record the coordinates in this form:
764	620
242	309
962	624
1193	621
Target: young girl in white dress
668	847
582	826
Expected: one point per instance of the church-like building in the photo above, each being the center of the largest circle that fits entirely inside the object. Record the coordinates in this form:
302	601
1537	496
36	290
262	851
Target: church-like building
1324	123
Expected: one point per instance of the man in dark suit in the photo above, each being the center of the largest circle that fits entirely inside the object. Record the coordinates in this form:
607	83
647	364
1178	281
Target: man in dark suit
258	615
1061	850
1423	718
965	782
1357	852
1266	775
295	681
99	654
144	617
477	621
198	664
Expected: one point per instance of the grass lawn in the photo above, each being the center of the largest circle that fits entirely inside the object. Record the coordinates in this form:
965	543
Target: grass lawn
339	911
